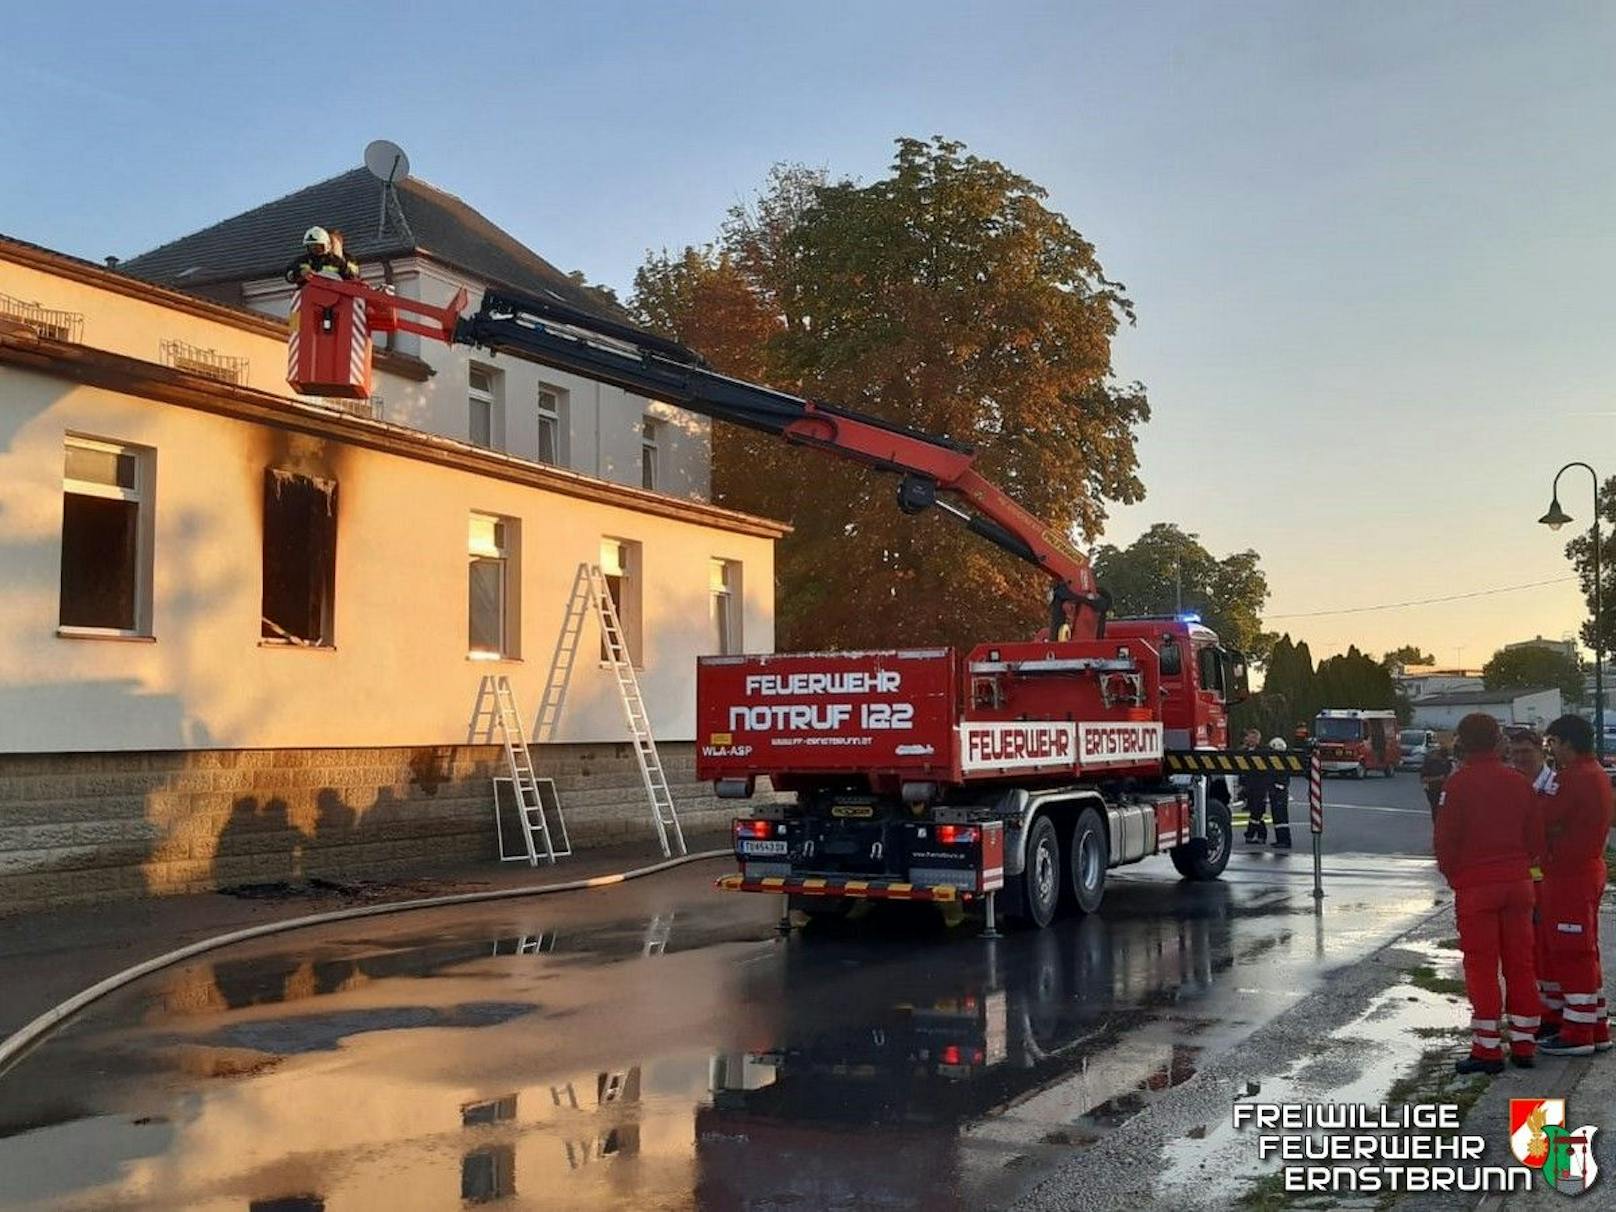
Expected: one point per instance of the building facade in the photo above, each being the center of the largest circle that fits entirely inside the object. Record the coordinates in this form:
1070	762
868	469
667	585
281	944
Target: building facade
1536	708
243	635
428	245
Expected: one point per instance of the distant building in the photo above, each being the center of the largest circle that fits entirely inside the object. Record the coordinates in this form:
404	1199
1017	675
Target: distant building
1566	648
1420	681
1534	707
430	245
242	633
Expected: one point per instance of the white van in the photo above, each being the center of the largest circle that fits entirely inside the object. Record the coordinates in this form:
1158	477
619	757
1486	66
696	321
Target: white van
1416	743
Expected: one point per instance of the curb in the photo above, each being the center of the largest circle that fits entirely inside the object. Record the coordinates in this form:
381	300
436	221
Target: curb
14	1046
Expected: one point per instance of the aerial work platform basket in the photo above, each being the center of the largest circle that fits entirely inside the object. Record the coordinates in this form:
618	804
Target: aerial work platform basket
332	321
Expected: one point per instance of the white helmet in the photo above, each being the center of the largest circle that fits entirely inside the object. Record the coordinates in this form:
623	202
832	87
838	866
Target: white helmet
1278	743
317	235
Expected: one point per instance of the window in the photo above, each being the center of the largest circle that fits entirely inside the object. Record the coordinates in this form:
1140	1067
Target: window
486	424
492	613
106	538
1209	669
1172	661
300	559
649	471
552	425
620	566
725	583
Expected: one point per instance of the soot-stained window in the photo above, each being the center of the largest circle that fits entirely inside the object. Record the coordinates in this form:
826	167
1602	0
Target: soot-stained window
300	558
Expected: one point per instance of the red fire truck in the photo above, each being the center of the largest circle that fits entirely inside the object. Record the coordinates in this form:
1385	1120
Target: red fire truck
1354	742
1030	766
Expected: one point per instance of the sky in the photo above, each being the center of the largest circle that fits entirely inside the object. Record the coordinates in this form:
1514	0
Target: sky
1372	247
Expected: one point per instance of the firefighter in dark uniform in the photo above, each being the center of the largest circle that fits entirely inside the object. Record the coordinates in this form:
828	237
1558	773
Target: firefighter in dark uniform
1256	786
320	259
1279	800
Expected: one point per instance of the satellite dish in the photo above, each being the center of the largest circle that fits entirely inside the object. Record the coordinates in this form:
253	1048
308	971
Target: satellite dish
386	161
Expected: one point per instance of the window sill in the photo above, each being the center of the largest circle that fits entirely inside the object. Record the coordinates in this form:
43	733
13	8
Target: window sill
638	668
493	658
100	633
290	647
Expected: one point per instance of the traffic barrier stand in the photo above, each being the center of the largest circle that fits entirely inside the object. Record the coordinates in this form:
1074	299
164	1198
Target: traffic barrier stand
1315	812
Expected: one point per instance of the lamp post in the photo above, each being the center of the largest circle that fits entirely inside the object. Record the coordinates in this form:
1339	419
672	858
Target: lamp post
1554	519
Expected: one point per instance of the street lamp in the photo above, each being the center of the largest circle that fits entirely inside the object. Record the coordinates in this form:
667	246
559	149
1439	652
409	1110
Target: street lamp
1554	519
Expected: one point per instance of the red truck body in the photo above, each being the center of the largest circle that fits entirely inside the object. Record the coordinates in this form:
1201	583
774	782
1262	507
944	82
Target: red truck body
1040	711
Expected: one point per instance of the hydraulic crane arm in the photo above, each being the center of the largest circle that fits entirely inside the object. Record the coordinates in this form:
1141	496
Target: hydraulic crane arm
933	469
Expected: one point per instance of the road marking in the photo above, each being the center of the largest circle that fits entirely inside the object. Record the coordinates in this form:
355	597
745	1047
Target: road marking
1381	808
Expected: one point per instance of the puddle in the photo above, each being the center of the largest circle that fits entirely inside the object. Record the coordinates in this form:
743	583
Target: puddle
681	1056
1400	1048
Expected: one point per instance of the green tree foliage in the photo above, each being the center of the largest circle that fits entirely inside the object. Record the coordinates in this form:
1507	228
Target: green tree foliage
1294	692
1355	680
945	296
1408	654
1150	574
1580	552
1534	668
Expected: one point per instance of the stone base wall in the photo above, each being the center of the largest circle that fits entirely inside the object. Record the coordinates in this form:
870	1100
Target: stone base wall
78	827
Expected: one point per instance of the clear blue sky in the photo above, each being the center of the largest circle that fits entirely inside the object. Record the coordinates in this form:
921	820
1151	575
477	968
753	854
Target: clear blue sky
1373	246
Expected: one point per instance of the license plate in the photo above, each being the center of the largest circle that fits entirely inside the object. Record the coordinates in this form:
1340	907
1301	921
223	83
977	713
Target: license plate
773	847
852	810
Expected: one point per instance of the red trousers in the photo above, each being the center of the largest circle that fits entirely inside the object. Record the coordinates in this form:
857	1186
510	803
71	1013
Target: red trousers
1568	928
1495	931
1548	984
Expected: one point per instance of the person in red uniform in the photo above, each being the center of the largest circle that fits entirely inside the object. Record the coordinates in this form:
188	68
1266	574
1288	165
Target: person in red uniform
1487	832
1526	755
1575	827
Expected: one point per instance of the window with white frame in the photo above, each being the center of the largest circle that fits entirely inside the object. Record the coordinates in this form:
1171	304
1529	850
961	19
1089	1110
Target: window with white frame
620	564
552	425
493	614
106	538
650	471
724	578
485	416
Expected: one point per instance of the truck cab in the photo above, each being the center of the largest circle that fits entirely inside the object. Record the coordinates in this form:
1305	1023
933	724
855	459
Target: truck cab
1200	679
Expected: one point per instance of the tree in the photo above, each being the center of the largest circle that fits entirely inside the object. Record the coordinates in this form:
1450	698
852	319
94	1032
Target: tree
1408	654
1580	552
1354	680
945	297
1166	570
1531	667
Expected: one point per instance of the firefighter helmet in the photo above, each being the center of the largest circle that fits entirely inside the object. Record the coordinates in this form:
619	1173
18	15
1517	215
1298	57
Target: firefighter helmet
1278	743
317	235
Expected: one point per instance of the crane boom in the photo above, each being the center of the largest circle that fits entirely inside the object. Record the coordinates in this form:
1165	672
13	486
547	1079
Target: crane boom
934	470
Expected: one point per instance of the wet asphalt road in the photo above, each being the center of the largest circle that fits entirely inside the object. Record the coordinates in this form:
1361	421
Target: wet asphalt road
657	1045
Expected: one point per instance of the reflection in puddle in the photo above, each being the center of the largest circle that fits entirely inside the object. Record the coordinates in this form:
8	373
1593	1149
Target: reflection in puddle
659	1062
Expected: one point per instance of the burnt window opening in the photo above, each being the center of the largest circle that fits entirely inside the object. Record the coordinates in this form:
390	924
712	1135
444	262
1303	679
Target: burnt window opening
300	558
106	549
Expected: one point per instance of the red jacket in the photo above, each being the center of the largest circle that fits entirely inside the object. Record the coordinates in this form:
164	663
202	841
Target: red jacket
1576	819
1488	828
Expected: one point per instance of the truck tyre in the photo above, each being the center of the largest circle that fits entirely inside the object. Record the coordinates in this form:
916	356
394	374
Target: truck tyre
1089	856
1041	880
1391	771
1205	858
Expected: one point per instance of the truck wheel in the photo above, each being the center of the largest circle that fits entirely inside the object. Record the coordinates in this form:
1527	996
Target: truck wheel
1090	856
1205	858
1041	881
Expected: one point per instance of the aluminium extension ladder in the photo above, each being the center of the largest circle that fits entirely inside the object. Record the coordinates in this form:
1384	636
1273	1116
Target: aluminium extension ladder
663	814
536	831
